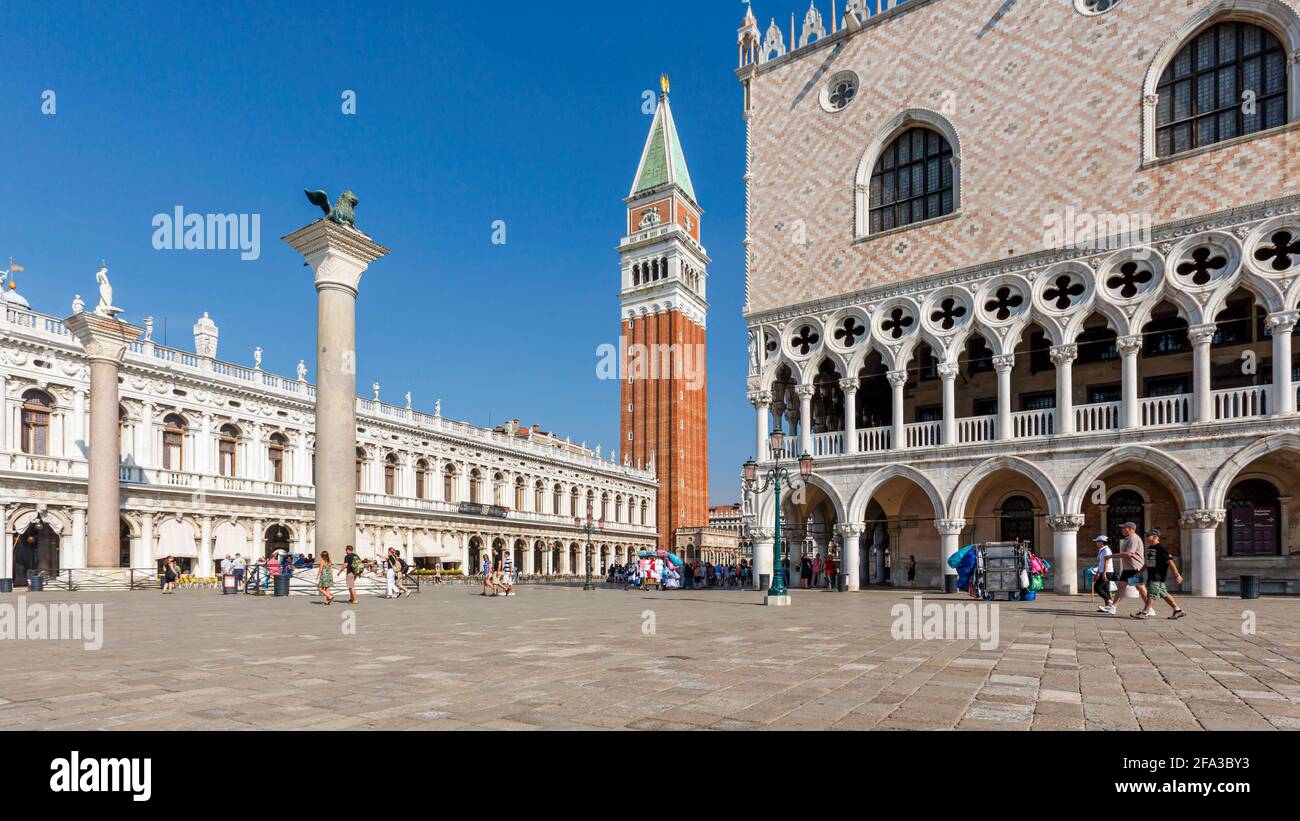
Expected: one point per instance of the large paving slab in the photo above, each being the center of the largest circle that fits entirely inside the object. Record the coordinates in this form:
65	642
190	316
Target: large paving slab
562	658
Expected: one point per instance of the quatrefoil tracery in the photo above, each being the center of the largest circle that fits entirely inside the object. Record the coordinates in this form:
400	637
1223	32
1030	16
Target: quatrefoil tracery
1284	250
897	323
805	340
949	312
1004	303
1129	281
849	331
1063	291
1201	267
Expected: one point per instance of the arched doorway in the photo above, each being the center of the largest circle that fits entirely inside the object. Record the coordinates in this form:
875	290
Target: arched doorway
124	544
1124	506
476	557
277	538
1254	519
35	551
1017	521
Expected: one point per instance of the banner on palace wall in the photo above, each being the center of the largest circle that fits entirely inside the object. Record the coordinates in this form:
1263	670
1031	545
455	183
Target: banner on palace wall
176	538
495	511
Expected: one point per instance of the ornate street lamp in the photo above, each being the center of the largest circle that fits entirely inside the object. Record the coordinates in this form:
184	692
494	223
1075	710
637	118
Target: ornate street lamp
774	478
587	526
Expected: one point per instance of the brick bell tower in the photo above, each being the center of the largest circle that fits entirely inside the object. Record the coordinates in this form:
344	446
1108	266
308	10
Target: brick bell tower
664	416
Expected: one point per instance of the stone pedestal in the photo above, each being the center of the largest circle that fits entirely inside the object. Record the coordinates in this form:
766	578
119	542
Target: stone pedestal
338	256
776	601
105	341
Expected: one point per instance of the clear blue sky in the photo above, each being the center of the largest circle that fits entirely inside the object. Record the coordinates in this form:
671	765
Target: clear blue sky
467	113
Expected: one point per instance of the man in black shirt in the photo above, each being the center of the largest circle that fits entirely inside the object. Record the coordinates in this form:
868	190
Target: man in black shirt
1159	563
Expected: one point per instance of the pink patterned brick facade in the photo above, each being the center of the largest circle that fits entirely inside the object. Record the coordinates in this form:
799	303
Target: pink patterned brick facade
1047	107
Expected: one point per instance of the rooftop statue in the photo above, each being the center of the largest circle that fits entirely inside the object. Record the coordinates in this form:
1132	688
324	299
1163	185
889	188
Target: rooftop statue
343	211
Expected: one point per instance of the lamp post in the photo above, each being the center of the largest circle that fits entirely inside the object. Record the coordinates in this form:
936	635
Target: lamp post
587	526
774	478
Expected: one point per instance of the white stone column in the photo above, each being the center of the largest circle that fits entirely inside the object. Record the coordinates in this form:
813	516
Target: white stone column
1283	324
1202	399
1065	551
205	568
763	547
78	557
338	256
850	388
105	341
144	450
949	536
898	381
851	553
581	569
1129	346
259	533
1003	365
762	402
1203	524
203	449
1063	357
142	556
564	560
805	393
948	373
530	553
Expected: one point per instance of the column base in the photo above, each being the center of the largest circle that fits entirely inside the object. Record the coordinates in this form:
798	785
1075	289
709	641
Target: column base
776	601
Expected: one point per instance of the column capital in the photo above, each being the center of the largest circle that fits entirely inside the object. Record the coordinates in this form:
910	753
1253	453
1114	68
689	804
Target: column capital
1004	362
948	370
1063	353
1066	522
105	339
805	391
760	398
762	534
337	255
849	385
1129	345
1283	321
897	378
950	527
1203	519
1202	334
850	530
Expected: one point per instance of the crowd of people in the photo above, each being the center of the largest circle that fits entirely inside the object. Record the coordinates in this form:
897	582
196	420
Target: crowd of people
1143	565
643	573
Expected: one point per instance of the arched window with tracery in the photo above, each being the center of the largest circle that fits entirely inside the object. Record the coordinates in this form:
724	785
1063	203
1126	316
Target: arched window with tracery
35	432
173	442
227	447
912	180
275	449
1228	81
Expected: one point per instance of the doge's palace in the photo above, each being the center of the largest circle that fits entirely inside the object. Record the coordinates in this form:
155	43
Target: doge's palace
1028	276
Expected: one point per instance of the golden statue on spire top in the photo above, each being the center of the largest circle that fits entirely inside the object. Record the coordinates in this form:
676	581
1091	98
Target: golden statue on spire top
663	83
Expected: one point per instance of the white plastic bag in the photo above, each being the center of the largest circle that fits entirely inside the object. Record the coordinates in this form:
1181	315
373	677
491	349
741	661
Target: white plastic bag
1024	579
1112	587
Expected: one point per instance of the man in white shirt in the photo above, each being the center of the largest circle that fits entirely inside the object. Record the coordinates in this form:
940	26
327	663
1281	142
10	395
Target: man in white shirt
1105	572
225	566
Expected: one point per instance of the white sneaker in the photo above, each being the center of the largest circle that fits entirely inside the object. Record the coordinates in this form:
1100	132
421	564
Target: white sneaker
1150	611
1110	610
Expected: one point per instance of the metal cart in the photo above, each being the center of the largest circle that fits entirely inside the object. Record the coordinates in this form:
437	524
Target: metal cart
998	566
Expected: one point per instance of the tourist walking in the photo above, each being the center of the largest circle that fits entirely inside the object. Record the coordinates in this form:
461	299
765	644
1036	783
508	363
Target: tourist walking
353	567
805	572
831	568
489	582
508	571
325	577
1132	557
1159	563
170	574
392	571
818	568
1103	578
911	571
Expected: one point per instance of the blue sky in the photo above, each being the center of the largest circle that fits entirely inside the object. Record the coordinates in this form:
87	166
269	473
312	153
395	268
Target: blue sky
467	113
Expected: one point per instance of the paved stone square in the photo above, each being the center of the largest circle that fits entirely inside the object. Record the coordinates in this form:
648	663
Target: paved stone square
561	658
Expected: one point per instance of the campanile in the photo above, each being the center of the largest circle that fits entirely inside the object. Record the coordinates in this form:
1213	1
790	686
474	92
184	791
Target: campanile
664	416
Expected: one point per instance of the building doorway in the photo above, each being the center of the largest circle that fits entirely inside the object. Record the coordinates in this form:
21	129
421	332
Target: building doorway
277	538
35	551
1017	523
1124	506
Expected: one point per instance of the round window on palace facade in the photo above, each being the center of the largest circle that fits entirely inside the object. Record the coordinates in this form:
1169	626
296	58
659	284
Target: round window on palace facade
1091	8
840	91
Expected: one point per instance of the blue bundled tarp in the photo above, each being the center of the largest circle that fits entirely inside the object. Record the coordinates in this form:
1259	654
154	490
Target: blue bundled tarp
957	558
965	565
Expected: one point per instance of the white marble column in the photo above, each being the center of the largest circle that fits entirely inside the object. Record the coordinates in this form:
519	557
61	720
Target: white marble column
1065	552
1202	398
1131	413
897	382
530	555
205	568
338	256
948	374
1063	357
762	402
1003	365
805	393
259	533
1203	524
851	554
949	536
105	341
78	557
203	449
763	547
565	569
1282	325
850	388
142	556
